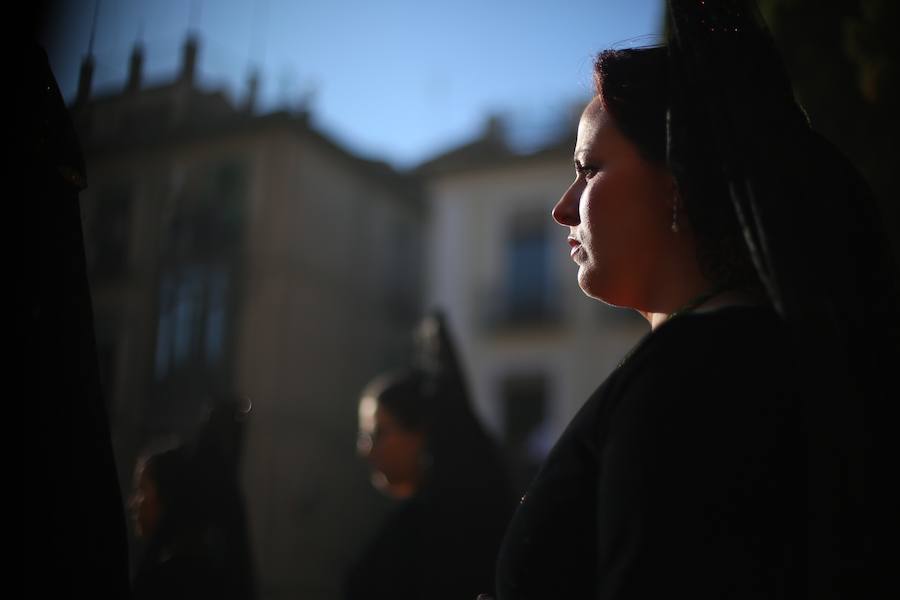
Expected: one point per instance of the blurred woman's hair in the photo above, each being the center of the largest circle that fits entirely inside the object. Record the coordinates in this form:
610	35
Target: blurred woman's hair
169	468
400	394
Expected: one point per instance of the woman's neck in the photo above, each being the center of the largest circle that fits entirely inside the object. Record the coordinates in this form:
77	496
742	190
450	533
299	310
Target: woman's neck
705	302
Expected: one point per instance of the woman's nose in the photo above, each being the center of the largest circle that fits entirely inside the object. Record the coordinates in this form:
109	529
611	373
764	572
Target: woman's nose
566	210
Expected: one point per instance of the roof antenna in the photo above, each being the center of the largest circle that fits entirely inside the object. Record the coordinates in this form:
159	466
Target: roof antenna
86	76
189	57
93	28
136	64
259	21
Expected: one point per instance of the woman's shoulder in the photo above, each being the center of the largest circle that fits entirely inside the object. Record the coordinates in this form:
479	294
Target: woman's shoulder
719	379
735	359
737	351
732	335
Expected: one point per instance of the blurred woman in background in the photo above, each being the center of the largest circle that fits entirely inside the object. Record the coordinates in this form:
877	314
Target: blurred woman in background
428	450
188	510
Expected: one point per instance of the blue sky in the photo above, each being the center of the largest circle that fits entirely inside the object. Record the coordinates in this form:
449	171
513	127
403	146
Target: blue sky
396	80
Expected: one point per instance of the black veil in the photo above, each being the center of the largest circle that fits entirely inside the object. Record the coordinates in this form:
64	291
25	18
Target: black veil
812	229
465	456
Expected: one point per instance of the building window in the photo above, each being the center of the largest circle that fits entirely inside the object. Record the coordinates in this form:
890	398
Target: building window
526	296
191	329
200	251
215	316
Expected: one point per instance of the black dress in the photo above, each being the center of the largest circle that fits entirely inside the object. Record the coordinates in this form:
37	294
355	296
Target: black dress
437	545
681	476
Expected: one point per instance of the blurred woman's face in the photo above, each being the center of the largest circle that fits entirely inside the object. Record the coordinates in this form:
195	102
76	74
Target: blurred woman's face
618	212
394	452
144	504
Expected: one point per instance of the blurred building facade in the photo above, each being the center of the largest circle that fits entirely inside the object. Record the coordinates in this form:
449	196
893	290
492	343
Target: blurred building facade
248	253
533	344
231	252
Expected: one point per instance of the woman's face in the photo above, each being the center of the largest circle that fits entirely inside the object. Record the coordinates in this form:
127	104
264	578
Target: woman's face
618	211
394	452
144	503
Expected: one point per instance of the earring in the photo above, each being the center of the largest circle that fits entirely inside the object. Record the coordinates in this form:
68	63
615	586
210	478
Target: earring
675	215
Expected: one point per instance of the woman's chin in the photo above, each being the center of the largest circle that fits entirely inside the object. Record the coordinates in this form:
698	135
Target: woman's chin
591	284
595	287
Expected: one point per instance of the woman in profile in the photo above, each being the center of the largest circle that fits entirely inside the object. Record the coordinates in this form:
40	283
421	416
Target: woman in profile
734	452
429	452
188	510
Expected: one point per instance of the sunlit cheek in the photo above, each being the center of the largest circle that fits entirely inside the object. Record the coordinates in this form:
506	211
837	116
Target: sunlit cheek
585	206
596	199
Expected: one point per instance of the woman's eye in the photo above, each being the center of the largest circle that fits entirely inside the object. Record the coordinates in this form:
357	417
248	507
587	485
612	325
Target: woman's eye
588	171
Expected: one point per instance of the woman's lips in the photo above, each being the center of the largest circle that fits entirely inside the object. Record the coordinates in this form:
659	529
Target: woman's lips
574	245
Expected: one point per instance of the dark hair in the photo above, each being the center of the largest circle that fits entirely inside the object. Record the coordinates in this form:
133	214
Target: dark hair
635	88
170	470
462	455
401	393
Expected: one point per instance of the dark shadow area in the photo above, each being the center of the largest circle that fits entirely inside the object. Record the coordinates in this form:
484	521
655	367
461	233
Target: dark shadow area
73	522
